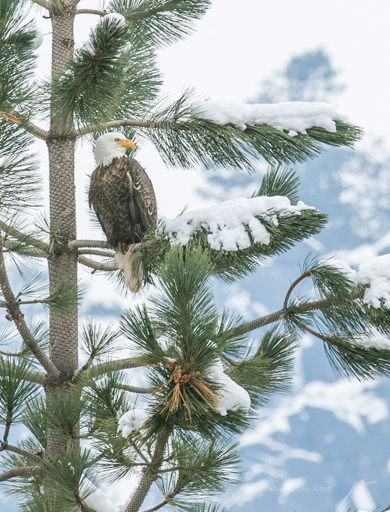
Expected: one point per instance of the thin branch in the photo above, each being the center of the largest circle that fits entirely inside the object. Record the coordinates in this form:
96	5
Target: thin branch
20	323
304	308
23	472
313	332
118	124
33	251
157	507
38	132
19	235
134	389
85	508
19	451
293	285
143	457
150	474
169	470
11	354
37	377
109	366
97	265
4	304
29	127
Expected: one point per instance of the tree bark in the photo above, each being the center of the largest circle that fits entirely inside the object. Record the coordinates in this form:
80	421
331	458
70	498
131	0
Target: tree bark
63	263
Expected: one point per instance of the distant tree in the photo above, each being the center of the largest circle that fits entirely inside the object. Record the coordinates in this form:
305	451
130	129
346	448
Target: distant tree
204	379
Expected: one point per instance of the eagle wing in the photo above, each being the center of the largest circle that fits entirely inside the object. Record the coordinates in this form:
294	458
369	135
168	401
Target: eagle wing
142	200
122	196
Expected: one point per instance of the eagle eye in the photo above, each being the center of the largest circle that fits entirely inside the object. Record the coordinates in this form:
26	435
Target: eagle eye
117	140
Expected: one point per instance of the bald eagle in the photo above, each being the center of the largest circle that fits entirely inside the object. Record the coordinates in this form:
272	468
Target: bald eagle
122	196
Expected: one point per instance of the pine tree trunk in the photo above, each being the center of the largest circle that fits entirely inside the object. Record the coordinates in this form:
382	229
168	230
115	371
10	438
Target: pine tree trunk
63	264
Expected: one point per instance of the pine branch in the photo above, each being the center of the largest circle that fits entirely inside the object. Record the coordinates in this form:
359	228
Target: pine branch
117	124
97	265
150	474
160	505
15	118
106	79
293	285
24	472
38	132
135	389
186	137
299	309
109	366
160	22
91	11
37	377
19	235
20	323
23	453
78	244
33	252
97	252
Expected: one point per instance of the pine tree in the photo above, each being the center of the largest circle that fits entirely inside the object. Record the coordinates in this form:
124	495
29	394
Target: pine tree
83	424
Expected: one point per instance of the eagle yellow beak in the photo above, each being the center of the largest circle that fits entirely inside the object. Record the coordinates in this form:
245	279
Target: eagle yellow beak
127	143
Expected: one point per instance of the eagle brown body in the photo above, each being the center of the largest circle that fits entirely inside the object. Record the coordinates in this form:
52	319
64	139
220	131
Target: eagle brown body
122	196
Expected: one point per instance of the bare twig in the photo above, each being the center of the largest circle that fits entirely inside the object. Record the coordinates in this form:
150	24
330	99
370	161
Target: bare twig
18	317
23	472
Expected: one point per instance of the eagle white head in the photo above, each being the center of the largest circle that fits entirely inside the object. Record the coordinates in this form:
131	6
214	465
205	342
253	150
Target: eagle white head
111	145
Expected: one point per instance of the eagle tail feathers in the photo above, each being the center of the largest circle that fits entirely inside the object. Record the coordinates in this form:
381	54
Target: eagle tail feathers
131	265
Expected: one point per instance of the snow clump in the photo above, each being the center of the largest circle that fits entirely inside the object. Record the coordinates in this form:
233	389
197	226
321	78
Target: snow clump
226	222
231	396
131	420
294	117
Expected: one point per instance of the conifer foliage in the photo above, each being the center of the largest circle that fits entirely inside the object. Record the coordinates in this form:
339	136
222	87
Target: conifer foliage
88	423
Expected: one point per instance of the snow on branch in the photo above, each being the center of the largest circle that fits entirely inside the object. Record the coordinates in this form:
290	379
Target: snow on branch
231	396
132	420
227	223
374	274
294	117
